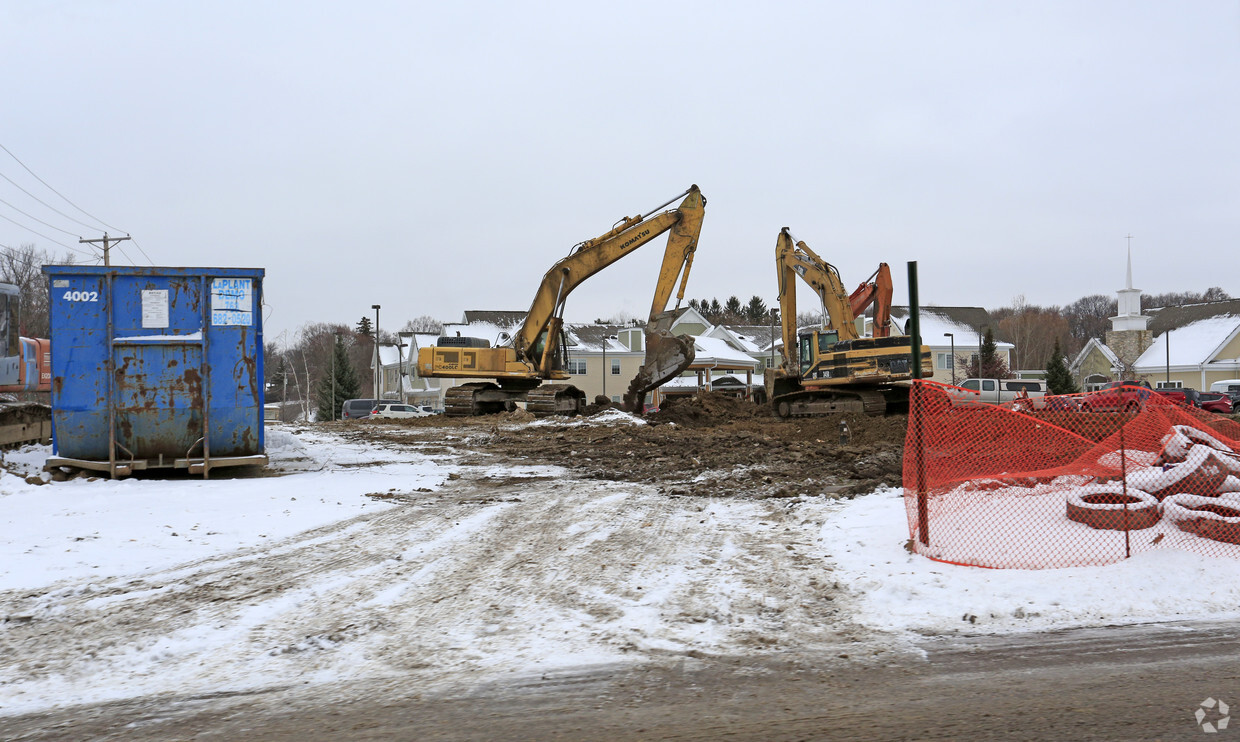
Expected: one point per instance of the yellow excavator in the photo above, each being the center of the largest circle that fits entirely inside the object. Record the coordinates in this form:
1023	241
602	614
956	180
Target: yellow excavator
516	371
833	368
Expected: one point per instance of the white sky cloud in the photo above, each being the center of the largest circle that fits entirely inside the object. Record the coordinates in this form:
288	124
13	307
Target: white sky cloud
434	158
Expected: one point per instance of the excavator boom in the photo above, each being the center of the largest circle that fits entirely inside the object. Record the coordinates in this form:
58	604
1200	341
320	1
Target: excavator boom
536	352
833	368
875	290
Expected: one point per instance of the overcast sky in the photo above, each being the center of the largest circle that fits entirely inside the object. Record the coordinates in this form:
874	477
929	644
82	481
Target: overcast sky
438	157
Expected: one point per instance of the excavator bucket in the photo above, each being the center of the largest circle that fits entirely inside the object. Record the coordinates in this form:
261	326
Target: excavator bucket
667	356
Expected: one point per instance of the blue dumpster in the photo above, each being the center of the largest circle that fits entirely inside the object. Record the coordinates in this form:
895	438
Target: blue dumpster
156	367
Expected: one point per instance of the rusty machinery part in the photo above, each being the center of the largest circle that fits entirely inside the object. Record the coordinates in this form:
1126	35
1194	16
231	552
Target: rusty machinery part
24	422
823	402
555	399
478	398
1113	507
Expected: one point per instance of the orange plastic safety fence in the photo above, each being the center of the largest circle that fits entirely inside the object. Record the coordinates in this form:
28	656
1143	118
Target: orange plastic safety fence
1066	481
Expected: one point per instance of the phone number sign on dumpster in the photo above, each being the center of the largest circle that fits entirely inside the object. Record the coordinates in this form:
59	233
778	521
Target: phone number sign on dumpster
232	301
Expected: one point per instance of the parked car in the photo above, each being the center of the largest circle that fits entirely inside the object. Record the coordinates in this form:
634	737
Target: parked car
1180	395
396	410
355	409
1230	387
1127	395
1216	402
995	391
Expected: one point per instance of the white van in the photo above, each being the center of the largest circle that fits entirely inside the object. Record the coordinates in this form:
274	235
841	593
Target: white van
1230	387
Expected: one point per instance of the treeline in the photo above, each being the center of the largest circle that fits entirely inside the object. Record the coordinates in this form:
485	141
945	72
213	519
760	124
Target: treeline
732	312
1035	329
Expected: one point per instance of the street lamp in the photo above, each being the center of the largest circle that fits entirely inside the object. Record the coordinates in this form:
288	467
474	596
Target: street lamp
1168	382
773	312
404	361
377	370
952	336
605	369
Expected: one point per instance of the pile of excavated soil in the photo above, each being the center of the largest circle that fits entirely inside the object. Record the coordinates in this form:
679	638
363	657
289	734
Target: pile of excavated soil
711	445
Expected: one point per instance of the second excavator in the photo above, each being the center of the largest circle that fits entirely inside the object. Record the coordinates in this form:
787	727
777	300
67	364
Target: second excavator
516	371
833	368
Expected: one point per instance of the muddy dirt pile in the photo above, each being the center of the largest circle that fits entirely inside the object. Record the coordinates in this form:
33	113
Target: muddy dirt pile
709	446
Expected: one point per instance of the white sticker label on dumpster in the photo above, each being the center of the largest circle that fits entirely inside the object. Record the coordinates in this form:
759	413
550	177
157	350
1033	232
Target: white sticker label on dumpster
155	308
232	301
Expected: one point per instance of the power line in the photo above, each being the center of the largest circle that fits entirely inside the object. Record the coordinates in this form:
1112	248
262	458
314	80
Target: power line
53	208
37	219
148	257
58	193
49	239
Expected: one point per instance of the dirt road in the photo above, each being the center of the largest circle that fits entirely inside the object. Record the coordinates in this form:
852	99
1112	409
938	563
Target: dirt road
1131	683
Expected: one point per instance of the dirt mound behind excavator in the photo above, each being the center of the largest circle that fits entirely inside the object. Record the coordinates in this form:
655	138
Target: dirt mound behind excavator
707	409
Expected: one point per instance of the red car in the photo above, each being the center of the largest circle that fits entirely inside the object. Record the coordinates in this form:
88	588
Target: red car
1181	395
1117	395
1215	402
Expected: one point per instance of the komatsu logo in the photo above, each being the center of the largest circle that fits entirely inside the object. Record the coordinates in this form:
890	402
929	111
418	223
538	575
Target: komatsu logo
635	238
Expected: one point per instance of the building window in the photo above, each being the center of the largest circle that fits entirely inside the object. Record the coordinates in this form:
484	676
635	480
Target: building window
1170	385
944	361
576	367
615	367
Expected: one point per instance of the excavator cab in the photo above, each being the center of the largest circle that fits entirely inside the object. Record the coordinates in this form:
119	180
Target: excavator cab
825	339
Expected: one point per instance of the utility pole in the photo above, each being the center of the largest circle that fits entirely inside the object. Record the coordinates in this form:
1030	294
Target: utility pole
105	240
378	369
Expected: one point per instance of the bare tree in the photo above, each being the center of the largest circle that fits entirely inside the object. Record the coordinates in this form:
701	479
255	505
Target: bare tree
425	323
1089	317
1180	298
23	268
1035	331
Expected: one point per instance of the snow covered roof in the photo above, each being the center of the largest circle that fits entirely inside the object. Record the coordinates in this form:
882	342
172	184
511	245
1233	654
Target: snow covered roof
589	338
389	355
715	352
750	338
935	326
495	334
1191	345
691	381
505	318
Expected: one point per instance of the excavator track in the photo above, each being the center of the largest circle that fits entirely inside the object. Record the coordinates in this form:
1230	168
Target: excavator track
24	422
467	400
555	399
820	402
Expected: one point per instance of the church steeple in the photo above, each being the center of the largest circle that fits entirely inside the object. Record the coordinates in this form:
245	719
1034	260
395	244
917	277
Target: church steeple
1129	300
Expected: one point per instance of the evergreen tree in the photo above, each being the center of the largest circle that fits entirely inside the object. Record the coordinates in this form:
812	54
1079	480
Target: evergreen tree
755	311
331	396
732	309
716	310
363	326
987	364
1058	379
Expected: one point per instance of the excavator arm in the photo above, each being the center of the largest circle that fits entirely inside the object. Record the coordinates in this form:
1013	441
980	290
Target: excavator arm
537	340
796	259
876	290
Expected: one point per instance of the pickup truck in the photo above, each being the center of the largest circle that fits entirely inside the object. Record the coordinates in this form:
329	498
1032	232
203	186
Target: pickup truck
995	391
1127	396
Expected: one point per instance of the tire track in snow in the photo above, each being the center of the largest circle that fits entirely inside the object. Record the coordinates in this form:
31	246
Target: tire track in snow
482	577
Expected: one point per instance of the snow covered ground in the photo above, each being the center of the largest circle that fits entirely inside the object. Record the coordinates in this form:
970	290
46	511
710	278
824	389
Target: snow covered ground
405	563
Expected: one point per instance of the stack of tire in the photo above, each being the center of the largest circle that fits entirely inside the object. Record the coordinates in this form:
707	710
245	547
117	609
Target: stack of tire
1194	483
